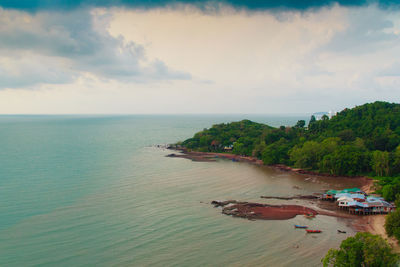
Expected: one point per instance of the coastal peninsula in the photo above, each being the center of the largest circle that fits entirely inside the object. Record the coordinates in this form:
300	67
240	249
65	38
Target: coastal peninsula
362	143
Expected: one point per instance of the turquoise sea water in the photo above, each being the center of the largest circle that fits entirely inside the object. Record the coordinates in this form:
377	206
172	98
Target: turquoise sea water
94	190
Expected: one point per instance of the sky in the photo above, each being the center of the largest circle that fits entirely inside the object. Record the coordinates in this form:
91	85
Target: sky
182	57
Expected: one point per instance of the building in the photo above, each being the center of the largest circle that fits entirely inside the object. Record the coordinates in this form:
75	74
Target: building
358	202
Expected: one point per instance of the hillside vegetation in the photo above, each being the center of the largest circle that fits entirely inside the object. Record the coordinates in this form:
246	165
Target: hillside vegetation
364	140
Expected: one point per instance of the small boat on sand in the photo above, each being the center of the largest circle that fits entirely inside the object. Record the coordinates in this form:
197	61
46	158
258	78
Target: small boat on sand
341	232
313	231
300	226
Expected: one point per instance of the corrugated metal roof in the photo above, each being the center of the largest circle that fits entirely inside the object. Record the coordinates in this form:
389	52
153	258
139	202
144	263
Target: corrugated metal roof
360	196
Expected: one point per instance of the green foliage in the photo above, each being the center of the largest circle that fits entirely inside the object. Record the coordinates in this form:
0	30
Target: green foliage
245	132
380	162
390	187
358	141
392	224
300	124
276	152
239	148
364	249
396	161
306	156
312	120
345	160
388	192
346	135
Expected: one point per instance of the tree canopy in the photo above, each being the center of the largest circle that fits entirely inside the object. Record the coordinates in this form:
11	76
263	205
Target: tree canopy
358	141
364	249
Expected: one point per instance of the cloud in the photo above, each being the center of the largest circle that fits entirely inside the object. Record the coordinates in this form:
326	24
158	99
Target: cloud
368	29
392	70
144	4
54	47
122	60
23	71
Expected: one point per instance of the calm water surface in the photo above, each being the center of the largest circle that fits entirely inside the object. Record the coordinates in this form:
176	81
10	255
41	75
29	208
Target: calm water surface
93	190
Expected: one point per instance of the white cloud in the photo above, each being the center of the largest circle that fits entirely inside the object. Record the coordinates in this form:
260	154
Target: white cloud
56	47
121	60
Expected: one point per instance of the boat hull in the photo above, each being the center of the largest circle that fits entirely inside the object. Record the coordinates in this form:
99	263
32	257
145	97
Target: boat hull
313	231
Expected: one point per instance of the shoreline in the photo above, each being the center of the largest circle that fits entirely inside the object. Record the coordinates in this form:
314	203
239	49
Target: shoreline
367	183
374	224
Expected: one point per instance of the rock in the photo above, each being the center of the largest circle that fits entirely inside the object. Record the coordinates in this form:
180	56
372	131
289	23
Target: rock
222	203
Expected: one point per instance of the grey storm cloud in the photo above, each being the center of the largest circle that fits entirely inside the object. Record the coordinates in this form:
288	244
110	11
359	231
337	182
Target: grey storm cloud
65	44
240	4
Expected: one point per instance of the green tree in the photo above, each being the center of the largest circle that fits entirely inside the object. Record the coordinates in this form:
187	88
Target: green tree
276	152
258	149
306	156
392	224
300	124
364	249
388	192
396	161
346	135
239	149
345	160
380	162
312	119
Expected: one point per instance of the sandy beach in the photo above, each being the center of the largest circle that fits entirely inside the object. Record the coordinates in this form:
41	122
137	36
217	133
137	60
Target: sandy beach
376	225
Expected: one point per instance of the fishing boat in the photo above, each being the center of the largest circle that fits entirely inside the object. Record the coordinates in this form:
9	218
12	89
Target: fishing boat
300	226
313	231
341	232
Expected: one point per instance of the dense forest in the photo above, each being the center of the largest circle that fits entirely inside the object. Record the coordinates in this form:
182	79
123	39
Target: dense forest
358	141
364	140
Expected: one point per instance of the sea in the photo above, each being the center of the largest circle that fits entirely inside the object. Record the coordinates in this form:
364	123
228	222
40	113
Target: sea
98	190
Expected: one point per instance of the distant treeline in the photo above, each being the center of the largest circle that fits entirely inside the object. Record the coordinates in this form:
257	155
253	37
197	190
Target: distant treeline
360	141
